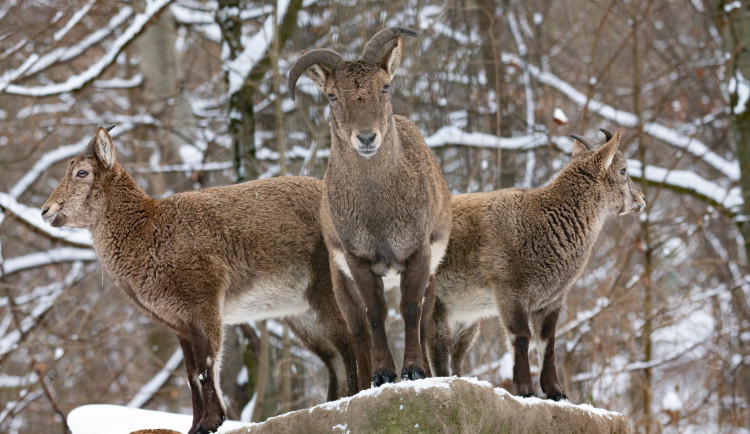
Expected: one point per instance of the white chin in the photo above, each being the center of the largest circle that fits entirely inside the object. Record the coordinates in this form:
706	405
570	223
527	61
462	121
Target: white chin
369	153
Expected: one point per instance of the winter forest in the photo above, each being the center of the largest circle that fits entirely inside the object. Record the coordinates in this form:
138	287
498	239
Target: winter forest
657	327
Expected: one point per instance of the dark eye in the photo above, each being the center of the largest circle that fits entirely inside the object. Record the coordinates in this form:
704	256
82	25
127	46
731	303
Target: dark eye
385	88
82	174
624	171
331	97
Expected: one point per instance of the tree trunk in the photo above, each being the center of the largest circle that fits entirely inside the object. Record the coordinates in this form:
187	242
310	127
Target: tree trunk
737	43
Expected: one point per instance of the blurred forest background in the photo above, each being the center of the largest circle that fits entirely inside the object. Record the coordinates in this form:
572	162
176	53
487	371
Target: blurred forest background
657	328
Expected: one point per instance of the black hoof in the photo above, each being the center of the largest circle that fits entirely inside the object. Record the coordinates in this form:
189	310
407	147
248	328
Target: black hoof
557	396
413	373
381	377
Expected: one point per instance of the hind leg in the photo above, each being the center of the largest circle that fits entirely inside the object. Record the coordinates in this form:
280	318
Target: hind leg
462	342
313	338
353	311
438	340
424	324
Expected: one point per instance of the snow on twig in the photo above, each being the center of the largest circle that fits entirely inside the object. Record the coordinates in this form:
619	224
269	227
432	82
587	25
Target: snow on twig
80	80
47	257
148	390
730	169
255	48
33	217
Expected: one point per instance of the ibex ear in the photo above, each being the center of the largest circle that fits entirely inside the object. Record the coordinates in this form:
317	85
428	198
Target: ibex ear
319	74
606	154
104	148
392	58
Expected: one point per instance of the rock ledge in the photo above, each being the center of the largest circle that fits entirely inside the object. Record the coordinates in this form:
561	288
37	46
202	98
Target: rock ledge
449	405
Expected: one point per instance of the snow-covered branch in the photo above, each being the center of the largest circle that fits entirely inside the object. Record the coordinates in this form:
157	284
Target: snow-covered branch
40	259
76	82
730	169
148	390
33	217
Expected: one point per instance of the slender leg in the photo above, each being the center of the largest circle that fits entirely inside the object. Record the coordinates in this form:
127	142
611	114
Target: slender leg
439	337
206	344
353	311
427	309
370	288
341	338
516	319
546	322
462	342
193	382
330	324
313	337
414	281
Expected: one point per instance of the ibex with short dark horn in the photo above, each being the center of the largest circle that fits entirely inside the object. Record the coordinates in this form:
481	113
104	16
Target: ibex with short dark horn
386	212
198	260
515	253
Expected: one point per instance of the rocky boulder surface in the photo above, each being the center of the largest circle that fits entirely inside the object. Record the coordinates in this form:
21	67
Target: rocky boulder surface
446	405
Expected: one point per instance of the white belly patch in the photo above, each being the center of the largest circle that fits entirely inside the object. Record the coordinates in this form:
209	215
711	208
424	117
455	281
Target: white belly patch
277	297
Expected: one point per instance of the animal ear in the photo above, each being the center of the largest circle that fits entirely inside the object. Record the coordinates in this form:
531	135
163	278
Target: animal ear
392	58
606	154
319	74
104	148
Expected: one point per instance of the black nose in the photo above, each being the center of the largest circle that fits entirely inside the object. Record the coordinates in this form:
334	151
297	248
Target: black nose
366	138
44	211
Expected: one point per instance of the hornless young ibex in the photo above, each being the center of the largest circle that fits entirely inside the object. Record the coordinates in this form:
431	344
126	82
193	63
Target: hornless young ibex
386	212
515	253
198	260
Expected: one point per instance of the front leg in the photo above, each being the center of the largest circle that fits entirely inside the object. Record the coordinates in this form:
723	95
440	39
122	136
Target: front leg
370	287
195	385
545	322
205	339
516	320
414	281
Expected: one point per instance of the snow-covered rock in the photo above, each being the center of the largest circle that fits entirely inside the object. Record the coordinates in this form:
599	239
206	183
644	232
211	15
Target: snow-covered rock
443	405
429	405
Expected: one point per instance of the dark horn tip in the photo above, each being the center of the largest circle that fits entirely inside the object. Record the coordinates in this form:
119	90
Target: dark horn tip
109	128
408	32
607	133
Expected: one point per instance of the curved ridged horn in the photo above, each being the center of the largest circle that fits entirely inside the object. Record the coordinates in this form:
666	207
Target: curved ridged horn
585	140
381	38
607	133
320	55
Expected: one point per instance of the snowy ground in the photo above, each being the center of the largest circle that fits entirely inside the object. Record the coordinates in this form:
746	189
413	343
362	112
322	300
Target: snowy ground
114	419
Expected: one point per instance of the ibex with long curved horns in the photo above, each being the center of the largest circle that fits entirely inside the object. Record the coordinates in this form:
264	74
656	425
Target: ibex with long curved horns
386	212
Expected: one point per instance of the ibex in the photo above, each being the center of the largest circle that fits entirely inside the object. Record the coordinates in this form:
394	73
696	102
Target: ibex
515	253
198	260
386	211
